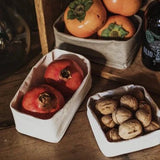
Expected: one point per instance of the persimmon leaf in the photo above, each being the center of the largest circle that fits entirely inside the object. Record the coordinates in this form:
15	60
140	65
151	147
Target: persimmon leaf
78	9
72	5
114	30
88	4
70	15
80	18
105	33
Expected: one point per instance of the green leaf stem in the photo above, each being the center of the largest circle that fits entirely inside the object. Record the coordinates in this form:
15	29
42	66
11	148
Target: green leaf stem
78	9
114	30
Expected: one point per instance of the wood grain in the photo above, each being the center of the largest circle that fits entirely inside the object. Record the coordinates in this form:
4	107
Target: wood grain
137	73
47	11
9	86
78	142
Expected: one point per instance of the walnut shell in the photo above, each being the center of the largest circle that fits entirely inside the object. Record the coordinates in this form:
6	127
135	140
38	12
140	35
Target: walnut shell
144	115
129	101
138	94
108	121
112	135
145	106
121	114
106	106
152	127
130	129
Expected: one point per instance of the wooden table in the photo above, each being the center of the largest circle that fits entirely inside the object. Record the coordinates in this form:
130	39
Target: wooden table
78	142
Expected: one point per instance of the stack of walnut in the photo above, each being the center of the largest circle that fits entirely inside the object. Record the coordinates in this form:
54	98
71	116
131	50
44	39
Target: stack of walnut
127	116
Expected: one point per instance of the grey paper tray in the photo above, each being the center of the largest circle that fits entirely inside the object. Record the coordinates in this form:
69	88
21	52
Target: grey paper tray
112	53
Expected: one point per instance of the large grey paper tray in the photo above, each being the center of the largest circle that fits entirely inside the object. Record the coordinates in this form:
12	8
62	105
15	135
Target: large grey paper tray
112	53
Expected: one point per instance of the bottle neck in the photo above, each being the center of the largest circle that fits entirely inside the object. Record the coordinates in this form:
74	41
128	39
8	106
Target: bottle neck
152	17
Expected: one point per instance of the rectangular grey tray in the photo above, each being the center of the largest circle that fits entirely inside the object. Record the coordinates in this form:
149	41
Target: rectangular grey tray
113	53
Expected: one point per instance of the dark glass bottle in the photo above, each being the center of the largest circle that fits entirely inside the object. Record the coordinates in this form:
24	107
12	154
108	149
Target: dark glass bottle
151	38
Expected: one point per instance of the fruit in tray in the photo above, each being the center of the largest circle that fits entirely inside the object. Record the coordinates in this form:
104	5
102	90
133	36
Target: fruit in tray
113	135
107	120
130	129
87	18
144	114
121	115
83	18
117	27
126	116
106	106
129	101
123	7
64	74
151	127
62	78
42	101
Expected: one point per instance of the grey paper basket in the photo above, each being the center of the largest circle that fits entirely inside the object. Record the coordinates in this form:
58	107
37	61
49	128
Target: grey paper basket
112	53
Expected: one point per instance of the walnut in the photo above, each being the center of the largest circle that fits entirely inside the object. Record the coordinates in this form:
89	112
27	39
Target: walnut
106	106
112	135
130	129
121	114
144	115
138	94
108	121
129	101
145	106
152	126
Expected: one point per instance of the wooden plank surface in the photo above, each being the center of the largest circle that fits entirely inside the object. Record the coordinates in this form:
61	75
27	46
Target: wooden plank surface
137	73
78	142
10	85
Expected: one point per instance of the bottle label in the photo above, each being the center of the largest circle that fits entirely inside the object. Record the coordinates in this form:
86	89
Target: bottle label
154	46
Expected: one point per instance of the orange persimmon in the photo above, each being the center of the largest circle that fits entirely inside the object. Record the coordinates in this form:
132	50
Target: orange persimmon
117	26
83	18
123	7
